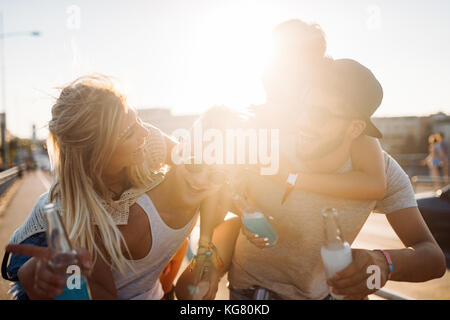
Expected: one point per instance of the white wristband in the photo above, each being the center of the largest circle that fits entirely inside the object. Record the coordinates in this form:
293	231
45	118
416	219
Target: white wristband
292	178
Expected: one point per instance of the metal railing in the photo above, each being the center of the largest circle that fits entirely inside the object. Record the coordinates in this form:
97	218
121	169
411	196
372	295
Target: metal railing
389	295
7	178
427	181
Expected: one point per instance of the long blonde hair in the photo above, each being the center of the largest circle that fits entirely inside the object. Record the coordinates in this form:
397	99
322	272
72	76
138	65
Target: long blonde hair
84	132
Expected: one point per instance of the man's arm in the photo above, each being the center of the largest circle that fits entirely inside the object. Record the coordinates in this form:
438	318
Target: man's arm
422	259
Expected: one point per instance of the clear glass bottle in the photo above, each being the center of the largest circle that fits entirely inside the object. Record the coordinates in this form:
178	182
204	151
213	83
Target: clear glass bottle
63	256
336	253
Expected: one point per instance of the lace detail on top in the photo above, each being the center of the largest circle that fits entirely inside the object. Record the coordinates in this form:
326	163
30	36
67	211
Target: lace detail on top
120	209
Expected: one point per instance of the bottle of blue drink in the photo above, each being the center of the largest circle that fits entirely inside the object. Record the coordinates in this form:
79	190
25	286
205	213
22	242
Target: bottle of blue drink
256	222
64	261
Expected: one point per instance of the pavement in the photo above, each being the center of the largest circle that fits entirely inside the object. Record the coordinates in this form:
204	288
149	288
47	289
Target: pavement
17	202
15	206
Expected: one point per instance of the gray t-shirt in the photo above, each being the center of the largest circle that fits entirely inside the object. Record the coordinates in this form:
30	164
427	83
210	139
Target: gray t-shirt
293	267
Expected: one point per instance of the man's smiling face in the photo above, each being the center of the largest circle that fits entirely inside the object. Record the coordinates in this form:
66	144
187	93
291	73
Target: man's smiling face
321	126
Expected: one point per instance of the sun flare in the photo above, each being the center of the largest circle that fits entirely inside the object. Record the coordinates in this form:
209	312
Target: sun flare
229	60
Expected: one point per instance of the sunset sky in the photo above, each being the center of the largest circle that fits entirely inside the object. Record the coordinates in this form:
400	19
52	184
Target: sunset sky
188	55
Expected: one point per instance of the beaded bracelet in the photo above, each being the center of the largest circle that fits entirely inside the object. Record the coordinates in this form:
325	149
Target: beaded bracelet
389	262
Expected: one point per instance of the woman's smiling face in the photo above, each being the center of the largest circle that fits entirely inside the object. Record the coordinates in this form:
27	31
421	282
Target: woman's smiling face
131	142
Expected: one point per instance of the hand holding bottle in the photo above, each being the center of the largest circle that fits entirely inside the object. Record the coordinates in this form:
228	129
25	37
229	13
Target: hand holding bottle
255	226
351	282
46	283
206	268
256	239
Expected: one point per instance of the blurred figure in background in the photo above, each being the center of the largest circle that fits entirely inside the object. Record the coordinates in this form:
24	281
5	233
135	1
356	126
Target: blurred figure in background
436	159
443	149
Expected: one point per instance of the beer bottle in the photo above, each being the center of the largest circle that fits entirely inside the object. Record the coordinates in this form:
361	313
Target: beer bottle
336	253
64	257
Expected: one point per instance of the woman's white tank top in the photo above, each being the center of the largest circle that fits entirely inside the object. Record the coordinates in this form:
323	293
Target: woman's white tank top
143	283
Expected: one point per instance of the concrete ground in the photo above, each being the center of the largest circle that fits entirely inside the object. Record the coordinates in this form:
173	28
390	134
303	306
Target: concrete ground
15	207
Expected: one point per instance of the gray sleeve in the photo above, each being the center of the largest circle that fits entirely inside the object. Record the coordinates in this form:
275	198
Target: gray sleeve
399	194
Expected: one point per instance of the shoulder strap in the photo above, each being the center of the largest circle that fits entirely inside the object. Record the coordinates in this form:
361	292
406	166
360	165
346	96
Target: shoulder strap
5	274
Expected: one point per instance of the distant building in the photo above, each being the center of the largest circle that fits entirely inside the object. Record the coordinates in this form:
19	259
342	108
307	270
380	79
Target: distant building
403	134
409	135
165	120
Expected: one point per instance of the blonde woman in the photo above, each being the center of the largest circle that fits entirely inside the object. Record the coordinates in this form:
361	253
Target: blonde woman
105	159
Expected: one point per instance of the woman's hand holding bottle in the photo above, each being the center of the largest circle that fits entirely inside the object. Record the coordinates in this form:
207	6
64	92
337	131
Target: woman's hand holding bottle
40	276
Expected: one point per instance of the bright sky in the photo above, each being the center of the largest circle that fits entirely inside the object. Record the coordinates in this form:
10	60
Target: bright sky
188	55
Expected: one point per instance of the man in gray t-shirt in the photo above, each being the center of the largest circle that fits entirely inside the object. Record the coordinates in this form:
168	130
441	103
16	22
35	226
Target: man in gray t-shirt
292	269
